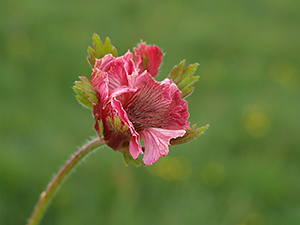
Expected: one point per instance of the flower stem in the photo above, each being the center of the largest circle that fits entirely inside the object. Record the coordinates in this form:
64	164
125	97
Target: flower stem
47	195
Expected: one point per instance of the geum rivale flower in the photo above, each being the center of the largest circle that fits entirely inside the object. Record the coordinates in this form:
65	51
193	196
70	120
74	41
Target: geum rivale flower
130	105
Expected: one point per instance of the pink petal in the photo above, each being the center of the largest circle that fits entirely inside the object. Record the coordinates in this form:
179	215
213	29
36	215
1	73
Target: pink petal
128	63
135	147
99	81
156	142
104	62
116	93
118	69
148	58
157	105
117	74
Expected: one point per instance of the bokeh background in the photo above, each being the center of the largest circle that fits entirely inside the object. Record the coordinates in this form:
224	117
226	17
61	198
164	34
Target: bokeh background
245	170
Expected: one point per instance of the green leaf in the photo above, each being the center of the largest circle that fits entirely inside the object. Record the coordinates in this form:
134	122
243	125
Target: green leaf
189	135
183	77
84	101
128	159
86	93
100	49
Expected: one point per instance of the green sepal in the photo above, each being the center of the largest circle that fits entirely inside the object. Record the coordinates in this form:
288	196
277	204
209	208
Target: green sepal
183	77
189	135
145	61
86	93
101	129
128	159
115	124
100	49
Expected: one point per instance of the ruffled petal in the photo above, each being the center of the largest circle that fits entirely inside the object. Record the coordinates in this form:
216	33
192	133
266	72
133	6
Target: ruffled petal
128	63
119	92
99	81
103	63
156	142
117	75
118	69
157	105
179	107
135	147
148	58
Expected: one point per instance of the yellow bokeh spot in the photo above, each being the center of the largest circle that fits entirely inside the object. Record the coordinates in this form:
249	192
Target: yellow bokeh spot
254	219
258	124
213	174
286	74
256	121
177	168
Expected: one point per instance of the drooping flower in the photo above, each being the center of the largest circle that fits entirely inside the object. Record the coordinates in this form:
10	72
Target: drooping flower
130	105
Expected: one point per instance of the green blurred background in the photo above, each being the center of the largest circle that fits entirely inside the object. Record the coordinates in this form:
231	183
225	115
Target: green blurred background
245	170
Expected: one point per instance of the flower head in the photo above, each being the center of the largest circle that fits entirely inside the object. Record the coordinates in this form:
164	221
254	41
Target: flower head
130	105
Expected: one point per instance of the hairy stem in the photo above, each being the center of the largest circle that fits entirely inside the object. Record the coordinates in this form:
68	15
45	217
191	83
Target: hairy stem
47	195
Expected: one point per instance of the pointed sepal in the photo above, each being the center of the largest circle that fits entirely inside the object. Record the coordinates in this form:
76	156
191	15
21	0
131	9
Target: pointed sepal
183	77
100	49
189	135
128	159
116	126
86	93
100	129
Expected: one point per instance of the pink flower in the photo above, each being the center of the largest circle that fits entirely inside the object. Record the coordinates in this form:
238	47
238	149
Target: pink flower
132	105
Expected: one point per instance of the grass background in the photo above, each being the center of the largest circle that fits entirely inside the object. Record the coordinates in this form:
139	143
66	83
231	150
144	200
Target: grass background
243	171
